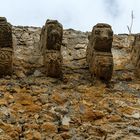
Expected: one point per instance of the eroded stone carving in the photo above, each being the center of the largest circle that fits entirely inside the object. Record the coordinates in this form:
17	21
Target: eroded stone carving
136	54
99	56
50	43
6	47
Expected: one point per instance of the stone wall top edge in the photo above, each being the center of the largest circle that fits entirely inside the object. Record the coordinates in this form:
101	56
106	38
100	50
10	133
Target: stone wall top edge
72	30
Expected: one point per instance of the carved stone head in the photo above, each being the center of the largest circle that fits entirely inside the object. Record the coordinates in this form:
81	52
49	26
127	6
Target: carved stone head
102	37
5	33
54	31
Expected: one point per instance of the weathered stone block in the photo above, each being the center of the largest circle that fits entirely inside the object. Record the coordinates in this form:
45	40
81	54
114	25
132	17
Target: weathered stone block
6	47
102	66
136	54
99	56
6	61
53	63
50	43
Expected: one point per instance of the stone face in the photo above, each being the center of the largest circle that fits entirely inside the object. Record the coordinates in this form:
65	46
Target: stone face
136	54
50	44
6	47
99	56
51	35
103	36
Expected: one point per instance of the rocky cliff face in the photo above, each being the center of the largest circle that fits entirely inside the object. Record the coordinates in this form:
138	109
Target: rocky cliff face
33	106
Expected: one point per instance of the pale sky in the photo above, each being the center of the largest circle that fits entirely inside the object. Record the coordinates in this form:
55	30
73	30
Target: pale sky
77	14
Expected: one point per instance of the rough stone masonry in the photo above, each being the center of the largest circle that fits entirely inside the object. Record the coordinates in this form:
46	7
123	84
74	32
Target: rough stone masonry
99	56
50	44
6	47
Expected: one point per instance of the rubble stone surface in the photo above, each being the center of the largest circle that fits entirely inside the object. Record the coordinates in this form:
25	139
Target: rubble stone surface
40	107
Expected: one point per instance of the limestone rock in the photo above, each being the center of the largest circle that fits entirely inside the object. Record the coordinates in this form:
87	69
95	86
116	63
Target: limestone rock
99	56
50	45
6	47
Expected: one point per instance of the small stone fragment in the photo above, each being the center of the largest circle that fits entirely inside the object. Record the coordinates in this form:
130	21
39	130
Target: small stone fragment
49	127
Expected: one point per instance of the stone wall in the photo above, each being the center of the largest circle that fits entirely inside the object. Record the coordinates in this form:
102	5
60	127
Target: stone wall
27	54
28	59
123	41
40	108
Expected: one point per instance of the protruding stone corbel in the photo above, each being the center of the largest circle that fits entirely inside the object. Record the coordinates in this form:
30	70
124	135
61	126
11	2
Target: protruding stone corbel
99	56
50	43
